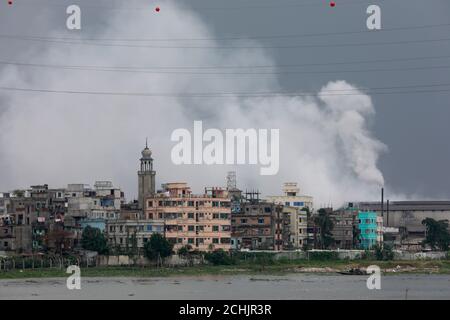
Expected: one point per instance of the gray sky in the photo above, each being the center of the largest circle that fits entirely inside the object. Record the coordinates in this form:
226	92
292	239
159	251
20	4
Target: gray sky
103	141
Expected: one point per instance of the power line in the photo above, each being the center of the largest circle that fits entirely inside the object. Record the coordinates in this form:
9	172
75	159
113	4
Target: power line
337	92
131	68
238	72
255	37
247	47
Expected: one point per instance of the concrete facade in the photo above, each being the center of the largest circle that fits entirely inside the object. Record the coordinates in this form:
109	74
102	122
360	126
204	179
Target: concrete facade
295	227
292	198
201	221
258	225
120	232
344	227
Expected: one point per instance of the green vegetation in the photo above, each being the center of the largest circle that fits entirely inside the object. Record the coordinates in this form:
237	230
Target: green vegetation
323	256
437	235
326	225
157	247
278	267
218	257
93	239
383	253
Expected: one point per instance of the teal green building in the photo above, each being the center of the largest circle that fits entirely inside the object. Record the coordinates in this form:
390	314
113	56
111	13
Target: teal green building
367	226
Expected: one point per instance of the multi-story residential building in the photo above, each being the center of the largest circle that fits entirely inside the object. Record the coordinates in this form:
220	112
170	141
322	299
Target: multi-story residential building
7	242
201	221
295	229
122	232
101	203
344	230
258	225
292	198
367	224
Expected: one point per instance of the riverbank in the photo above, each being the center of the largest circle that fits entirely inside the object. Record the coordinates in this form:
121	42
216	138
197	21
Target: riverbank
275	268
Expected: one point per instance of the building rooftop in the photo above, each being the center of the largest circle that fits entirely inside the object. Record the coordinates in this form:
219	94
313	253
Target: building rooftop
407	206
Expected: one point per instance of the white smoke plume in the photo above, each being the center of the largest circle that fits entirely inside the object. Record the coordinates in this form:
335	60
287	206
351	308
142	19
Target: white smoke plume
326	144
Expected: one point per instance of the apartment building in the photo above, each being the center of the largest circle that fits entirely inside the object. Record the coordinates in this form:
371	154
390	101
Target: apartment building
122	232
201	221
258	225
295	226
292	198
344	230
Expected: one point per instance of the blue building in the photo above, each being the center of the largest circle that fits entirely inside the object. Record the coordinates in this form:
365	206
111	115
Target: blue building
367	226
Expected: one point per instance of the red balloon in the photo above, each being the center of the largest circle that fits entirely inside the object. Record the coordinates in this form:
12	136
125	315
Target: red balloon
10	2
332	4
157	9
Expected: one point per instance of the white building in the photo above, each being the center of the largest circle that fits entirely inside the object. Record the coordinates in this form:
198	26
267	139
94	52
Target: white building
292	198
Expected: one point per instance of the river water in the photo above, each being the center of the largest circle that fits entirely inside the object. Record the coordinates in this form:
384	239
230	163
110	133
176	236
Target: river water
286	287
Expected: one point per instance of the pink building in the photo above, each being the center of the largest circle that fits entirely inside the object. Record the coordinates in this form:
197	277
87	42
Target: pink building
201	221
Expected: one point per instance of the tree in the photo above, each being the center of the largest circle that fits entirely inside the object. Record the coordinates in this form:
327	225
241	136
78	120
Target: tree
218	257
323	220
356	235
307	210
437	234
19	193
185	251
383	253
93	239
157	247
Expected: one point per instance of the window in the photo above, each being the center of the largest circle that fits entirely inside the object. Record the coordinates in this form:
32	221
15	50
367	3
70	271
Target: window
287	204
225	240
190	215
215	228
180	240
191	240
226	228
190	228
180	228
224	216
243	220
215	216
149	227
260	220
267	209
299	204
215	240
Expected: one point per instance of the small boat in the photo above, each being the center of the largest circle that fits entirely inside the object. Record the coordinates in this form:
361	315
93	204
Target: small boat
354	272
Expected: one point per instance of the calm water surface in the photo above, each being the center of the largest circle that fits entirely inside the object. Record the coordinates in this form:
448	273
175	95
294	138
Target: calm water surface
296	286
